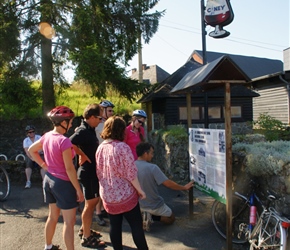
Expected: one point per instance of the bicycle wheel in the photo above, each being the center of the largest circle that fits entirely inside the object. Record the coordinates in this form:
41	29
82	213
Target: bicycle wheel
271	235
240	214
4	184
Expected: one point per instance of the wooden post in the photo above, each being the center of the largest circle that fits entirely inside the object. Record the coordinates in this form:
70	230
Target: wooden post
189	125
228	129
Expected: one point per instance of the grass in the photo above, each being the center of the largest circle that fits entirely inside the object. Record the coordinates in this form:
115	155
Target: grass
77	96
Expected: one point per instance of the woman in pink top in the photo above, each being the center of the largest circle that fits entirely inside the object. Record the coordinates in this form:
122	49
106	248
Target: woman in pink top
119	185
135	132
60	185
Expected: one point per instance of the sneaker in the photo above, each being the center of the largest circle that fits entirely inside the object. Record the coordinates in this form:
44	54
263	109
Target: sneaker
100	220
28	184
147	221
54	247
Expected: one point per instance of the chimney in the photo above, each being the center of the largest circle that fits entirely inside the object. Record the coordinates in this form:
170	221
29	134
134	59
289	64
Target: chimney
134	70
144	66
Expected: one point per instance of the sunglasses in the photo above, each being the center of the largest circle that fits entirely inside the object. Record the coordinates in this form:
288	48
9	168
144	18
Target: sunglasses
140	122
30	132
100	118
110	111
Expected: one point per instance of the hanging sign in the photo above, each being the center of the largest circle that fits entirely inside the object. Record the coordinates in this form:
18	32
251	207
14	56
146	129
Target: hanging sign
218	13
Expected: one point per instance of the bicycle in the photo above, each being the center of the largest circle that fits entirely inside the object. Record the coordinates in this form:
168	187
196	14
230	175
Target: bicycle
270	230
4	181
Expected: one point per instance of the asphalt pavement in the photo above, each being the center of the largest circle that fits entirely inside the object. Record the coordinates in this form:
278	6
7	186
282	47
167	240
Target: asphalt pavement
23	216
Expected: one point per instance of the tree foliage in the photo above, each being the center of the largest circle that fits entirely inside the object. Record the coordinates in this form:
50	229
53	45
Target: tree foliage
97	36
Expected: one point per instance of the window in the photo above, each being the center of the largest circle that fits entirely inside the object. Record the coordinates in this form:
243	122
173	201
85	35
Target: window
195	114
236	111
214	112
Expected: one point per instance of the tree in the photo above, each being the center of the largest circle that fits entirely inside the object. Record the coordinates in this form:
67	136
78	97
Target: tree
96	35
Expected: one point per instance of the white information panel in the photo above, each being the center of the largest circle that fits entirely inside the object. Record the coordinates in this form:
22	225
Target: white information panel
207	161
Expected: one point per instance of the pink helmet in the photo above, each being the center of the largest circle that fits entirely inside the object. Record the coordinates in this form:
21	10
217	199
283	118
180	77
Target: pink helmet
60	113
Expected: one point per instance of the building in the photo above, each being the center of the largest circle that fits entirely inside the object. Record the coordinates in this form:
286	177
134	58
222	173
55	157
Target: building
170	109
151	74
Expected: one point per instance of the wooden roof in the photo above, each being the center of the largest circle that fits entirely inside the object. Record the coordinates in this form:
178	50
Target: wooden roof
211	75
253	67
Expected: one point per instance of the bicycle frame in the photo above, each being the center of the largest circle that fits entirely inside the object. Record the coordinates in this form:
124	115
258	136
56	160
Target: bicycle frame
270	229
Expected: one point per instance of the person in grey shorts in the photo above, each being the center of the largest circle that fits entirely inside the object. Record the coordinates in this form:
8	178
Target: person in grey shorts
62	190
150	176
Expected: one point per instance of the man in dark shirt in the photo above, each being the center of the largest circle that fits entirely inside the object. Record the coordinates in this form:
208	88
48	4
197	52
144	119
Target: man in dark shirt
85	144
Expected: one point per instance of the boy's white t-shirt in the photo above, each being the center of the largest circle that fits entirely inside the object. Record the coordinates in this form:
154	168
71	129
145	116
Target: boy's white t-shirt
27	142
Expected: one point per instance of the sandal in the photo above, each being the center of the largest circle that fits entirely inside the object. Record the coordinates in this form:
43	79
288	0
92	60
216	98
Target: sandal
94	233
92	242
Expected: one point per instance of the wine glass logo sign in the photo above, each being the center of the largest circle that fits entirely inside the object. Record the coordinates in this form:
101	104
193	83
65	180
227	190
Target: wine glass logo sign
218	13
46	30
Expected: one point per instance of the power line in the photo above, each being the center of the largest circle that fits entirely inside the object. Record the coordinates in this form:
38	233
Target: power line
170	44
181	29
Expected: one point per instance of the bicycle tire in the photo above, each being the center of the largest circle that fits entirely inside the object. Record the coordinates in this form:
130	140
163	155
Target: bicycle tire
240	212
20	156
270	235
3	156
4	184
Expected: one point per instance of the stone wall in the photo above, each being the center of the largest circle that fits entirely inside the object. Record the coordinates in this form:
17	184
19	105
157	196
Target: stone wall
171	156
12	134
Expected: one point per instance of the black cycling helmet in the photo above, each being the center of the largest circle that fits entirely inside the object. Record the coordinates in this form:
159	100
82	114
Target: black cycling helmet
106	104
139	112
60	113
29	127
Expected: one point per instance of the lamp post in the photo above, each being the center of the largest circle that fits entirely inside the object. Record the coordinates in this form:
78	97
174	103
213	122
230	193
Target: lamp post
203	33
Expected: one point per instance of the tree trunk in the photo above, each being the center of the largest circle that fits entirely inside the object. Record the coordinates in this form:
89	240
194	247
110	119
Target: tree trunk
48	100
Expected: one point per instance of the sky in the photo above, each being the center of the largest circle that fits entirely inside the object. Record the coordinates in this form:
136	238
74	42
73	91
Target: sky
260	28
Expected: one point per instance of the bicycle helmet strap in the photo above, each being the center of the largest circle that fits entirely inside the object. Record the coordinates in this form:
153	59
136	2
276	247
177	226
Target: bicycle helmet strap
67	123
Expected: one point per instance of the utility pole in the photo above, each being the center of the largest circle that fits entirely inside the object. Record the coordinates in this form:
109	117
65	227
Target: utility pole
140	67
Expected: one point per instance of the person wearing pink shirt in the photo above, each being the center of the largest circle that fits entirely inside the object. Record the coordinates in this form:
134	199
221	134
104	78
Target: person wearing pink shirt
61	188
135	133
119	186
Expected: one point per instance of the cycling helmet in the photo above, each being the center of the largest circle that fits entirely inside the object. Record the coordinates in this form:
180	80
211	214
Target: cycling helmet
140	112
106	104
60	113
29	127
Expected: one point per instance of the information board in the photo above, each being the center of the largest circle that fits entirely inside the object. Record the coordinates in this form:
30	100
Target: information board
207	161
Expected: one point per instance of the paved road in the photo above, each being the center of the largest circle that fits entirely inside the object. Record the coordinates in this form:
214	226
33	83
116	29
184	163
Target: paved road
23	215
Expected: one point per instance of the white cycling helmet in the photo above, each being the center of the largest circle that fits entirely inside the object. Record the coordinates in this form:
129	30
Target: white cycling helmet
140	112
106	104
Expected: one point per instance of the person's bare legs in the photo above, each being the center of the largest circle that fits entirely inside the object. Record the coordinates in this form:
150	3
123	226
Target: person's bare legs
51	222
28	172
69	220
87	216
99	217
99	206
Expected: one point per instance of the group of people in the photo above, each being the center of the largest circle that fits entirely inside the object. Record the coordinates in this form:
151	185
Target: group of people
115	176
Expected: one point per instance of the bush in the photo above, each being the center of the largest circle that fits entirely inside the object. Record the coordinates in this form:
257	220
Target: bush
18	98
175	134
265	158
272	128
249	138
